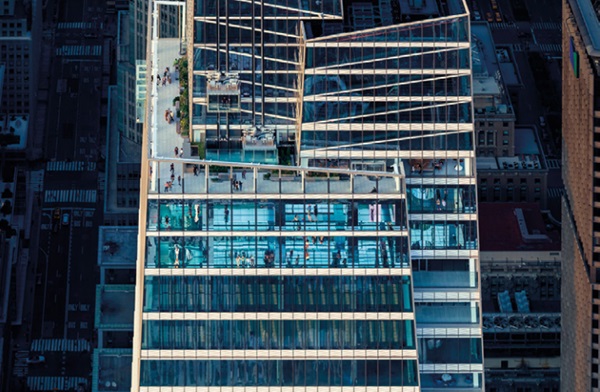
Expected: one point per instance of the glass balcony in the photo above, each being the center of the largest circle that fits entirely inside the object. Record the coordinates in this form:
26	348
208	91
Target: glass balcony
285	215
441	199
194	178
442	235
438	167
277	252
223	92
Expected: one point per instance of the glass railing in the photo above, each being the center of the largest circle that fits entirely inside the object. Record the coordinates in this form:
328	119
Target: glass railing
277	252
184	176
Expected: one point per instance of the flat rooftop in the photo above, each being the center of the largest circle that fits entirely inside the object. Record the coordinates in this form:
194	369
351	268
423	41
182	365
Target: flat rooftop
13	131
112	370
487	64
528	155
514	227
118	246
115	306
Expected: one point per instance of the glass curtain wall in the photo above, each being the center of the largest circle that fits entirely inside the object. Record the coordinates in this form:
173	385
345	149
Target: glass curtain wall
329	238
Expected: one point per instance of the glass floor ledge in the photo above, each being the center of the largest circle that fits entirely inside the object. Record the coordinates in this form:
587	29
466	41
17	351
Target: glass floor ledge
178	177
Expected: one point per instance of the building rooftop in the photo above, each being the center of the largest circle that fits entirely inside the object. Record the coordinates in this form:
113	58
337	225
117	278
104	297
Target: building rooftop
118	246
114	307
489	92
587	15
528	155
112	370
514	227
13	131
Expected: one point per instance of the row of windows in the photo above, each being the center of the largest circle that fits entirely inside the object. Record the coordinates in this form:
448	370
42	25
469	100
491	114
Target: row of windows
279	373
278	334
277	294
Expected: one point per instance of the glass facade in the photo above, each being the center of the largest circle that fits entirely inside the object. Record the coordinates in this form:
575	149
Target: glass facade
329	238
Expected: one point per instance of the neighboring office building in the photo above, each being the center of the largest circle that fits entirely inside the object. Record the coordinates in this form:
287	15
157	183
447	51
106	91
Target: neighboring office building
581	206
114	309
520	272
494	113
511	166
307	269
20	24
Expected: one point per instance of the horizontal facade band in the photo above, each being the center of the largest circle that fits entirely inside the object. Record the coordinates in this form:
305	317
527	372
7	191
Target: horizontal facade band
449	332
383	154
291	233
452	253
443	215
390	44
396	71
388	98
277	316
279	389
441	180
446	295
295	354
276	271
451	368
280	196
433	127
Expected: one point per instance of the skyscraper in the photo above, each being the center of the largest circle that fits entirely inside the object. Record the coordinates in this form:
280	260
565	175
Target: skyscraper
329	239
581	224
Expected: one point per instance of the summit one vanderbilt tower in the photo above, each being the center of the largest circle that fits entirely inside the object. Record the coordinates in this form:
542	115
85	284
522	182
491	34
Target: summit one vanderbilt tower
314	226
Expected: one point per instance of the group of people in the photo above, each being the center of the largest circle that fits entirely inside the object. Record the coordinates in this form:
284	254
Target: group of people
169	118
244	261
236	185
178	152
312	214
165	79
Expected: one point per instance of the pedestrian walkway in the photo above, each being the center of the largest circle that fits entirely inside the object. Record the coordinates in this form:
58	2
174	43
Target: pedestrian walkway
551	48
79	50
43	345
547	26
554	193
54	383
70	196
503	26
75	25
70	166
554	163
